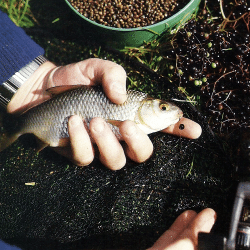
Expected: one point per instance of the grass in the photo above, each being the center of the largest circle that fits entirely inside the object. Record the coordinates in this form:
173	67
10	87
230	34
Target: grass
19	12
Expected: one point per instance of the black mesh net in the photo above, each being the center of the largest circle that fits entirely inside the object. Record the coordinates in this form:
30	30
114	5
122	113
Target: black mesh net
47	202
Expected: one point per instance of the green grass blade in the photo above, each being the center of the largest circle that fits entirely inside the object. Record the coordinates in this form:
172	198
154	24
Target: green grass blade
24	11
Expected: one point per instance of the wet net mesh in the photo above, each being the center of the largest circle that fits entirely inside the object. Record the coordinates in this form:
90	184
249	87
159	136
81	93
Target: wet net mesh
46	202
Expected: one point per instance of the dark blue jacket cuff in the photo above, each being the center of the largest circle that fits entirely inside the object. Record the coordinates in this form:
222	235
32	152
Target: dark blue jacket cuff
16	48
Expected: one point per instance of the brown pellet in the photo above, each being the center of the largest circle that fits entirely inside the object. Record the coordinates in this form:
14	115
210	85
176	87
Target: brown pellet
127	13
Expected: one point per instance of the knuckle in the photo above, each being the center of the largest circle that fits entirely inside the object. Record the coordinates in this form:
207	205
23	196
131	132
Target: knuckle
116	70
129	130
120	68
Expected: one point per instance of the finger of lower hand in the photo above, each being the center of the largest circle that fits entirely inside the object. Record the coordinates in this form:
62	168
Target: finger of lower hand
185	128
203	222
179	225
138	145
81	146
111	151
183	244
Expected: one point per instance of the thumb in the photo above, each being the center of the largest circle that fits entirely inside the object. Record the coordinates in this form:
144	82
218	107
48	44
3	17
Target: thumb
114	82
91	72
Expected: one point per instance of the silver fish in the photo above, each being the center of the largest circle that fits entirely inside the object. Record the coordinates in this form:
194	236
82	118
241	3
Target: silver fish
48	121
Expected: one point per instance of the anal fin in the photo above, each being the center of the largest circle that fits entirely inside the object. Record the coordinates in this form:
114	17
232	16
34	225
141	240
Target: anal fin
63	142
40	145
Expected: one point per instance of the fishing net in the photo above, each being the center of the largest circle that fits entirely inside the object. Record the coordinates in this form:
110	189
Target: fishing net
46	202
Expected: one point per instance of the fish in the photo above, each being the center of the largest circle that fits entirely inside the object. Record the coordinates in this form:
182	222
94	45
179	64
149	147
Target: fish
48	121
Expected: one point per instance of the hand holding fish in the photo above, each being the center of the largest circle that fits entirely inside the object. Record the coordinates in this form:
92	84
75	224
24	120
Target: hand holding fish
49	80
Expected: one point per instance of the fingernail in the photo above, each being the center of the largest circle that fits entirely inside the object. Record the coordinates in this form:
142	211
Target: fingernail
75	121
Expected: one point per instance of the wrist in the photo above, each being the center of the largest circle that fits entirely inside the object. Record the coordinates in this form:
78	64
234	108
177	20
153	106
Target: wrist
11	86
32	91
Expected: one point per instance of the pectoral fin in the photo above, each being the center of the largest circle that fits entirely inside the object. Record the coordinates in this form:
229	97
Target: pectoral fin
115	123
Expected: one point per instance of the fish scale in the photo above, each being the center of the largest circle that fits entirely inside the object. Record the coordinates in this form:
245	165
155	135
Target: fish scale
88	103
49	120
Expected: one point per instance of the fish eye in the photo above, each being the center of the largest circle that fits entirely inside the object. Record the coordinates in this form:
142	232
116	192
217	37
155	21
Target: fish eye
164	106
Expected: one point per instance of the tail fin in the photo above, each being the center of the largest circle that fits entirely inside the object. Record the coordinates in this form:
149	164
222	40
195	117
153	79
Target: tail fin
11	131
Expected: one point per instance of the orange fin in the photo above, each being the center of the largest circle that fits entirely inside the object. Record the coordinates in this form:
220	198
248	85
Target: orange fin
40	145
63	142
60	89
115	122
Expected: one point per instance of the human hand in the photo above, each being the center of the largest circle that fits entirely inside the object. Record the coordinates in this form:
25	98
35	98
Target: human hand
183	234
138	147
51	79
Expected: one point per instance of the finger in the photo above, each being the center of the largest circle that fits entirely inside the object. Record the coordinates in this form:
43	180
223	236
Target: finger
81	146
182	244
203	222
90	72
114	82
111	75
111	151
138	145
180	224
185	128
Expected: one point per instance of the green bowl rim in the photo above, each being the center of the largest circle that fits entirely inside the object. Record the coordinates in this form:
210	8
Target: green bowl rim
133	29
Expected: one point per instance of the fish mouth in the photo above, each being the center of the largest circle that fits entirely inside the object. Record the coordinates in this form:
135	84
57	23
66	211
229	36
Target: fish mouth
180	114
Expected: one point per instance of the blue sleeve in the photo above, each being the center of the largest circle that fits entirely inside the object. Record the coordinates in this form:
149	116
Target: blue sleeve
4	246
16	48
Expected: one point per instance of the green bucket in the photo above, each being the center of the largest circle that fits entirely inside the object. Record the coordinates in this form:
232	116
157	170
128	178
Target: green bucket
135	37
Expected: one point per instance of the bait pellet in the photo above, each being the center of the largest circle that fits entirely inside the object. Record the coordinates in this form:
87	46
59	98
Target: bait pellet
127	13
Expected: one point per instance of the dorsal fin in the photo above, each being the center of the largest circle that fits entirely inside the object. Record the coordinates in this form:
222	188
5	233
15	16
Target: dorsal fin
60	89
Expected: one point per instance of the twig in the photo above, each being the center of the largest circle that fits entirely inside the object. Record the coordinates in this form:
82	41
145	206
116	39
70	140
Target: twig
221	9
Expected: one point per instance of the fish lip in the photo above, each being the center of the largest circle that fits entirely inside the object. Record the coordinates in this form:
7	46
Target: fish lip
180	114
